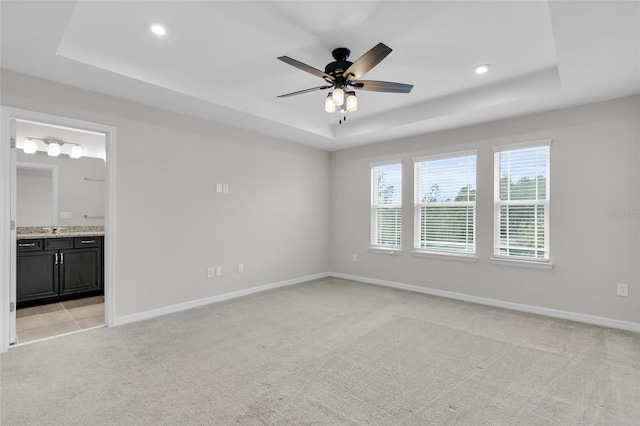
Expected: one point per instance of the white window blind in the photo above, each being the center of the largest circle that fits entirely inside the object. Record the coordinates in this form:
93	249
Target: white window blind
521	202
386	205
445	203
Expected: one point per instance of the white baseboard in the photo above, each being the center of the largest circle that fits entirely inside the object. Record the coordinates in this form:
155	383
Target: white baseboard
573	316
126	319
555	313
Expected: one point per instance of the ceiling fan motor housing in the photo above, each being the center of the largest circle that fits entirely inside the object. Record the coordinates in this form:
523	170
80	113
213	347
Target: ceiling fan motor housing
337	68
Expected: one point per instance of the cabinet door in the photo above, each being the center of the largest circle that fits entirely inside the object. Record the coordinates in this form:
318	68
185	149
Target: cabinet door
80	270
36	275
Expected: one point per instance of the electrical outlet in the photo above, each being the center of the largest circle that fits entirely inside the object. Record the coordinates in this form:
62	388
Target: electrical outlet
219	188
240	268
209	272
623	290
354	258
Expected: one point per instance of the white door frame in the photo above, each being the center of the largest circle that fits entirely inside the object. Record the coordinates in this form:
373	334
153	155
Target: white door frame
7	235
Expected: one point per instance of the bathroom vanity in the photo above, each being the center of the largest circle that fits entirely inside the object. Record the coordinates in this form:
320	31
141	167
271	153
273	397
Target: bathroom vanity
58	264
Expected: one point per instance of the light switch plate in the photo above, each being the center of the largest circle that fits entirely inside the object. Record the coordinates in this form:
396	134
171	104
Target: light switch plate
219	188
225	188
623	290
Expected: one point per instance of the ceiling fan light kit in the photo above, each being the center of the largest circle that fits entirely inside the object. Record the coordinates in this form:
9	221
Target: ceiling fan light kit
342	74
329	106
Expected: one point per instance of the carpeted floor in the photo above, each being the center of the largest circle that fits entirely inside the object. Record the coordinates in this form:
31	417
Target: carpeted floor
329	352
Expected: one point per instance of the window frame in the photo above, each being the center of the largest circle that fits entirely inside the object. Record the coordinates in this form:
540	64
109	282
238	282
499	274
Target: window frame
418	205
374	207
508	259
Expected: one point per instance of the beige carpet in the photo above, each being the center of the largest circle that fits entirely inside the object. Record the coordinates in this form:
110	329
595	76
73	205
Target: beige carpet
329	352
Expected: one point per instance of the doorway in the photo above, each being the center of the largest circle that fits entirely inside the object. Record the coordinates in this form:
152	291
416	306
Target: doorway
99	213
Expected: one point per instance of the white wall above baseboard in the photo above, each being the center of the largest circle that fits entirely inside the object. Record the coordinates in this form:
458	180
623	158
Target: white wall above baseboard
555	313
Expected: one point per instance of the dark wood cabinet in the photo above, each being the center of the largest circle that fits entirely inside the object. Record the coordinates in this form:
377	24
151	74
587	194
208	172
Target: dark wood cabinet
80	270
54	269
37	275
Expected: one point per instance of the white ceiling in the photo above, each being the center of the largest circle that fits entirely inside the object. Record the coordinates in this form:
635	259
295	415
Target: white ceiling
218	60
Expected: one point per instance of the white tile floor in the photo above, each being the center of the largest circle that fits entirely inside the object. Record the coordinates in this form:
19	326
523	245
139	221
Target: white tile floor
39	322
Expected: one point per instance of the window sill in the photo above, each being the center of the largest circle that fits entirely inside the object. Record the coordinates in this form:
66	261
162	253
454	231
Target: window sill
522	263
442	256
385	250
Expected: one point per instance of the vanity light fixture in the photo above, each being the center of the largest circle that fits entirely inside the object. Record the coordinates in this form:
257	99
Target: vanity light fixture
76	151
54	147
29	146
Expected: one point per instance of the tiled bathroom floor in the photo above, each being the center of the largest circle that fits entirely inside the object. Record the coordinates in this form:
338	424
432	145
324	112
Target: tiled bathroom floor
39	322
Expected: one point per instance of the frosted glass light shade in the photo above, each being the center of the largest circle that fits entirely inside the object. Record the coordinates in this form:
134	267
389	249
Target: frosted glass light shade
29	146
329	106
352	102
76	151
54	149
338	96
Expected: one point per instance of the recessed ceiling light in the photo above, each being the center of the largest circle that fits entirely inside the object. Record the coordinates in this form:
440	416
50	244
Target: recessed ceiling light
481	69
158	29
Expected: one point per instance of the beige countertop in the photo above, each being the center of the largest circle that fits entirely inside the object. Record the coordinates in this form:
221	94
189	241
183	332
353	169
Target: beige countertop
34	232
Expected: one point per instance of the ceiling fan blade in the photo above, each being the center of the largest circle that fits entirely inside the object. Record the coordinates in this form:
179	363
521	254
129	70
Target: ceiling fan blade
367	61
300	92
382	86
305	67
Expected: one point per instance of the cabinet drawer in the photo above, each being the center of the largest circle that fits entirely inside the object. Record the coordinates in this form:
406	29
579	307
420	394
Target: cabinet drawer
80	242
29	245
58	243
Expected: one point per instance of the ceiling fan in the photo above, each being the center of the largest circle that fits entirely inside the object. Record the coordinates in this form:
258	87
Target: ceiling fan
344	76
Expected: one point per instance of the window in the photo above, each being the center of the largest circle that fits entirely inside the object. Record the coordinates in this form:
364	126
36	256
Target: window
521	201
386	205
445	203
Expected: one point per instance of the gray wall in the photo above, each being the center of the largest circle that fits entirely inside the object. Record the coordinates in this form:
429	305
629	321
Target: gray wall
293	211
595	159
171	223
